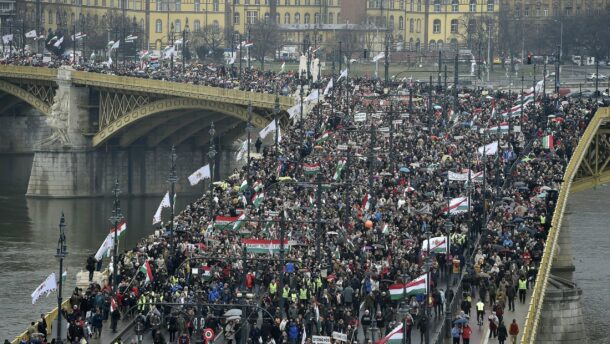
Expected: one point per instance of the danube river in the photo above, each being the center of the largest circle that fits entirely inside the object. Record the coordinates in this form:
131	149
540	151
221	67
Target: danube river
28	239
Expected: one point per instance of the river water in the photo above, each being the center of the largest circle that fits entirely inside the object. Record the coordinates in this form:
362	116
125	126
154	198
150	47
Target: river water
28	240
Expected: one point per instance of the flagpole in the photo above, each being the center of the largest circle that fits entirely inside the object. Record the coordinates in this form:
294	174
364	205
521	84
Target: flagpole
114	219
62	252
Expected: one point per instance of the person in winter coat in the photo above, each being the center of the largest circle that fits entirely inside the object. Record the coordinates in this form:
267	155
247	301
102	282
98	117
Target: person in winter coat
493	325
466	333
502	333
455	334
293	333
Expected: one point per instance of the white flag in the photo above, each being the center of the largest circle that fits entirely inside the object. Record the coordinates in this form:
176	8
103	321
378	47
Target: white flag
31	34
279	134
164	204
45	287
232	60
343	74
7	38
109	60
328	87
59	42
169	51
115	45
283	67
489	149
314	95
293	111
106	246
242	150
379	56
269	128
200	174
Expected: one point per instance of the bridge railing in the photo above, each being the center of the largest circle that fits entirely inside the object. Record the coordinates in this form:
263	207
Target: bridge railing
27	72
535	307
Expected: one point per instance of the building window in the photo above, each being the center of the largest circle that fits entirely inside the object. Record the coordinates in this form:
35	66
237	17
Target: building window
178	7
297	2
215	26
402	4
546	11
159	5
178	26
287	2
277	18
418	5
331	18
236	18
306	19
537	11
411	25
526	12
454	26
401	23
158	26
432	45
297	18
287	18
252	17
473	6
215	6
316	18
437	5
197	6
436	26
197	26
490	5
411	5
418	25
391	22
455	6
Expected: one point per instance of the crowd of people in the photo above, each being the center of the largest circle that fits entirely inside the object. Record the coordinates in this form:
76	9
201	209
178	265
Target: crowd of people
355	187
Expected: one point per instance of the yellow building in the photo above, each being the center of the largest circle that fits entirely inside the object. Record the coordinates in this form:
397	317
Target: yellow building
408	24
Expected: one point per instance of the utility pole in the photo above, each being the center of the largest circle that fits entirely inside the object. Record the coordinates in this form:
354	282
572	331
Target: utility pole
318	215
62	252
340	56
557	70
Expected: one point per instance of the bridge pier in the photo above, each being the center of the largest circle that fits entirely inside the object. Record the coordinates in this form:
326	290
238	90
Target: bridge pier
563	265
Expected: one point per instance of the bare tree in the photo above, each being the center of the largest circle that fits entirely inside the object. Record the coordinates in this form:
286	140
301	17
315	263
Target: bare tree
208	43
266	37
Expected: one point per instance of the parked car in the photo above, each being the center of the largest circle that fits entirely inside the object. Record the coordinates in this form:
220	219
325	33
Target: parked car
595	76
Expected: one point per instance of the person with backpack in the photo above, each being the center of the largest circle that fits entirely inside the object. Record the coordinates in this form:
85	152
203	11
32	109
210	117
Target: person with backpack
493	325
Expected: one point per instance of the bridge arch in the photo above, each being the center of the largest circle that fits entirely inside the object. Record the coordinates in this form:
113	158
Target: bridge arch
174	104
26	96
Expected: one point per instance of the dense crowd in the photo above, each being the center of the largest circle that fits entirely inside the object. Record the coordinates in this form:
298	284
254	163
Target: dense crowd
377	161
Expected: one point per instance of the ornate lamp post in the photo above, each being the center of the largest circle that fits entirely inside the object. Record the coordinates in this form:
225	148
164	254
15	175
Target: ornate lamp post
276	114
249	129
114	220
185	34
62	252
171	38
211	155
172	179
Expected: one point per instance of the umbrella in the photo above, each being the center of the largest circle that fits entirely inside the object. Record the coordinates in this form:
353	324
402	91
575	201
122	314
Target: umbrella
518	220
233	312
234	317
460	321
498	247
405	169
519	184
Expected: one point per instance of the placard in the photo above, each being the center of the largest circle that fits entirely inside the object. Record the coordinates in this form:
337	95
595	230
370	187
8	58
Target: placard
320	340
360	117
340	336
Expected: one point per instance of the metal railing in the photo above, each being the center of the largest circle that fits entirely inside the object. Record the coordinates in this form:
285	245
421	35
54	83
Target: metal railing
535	307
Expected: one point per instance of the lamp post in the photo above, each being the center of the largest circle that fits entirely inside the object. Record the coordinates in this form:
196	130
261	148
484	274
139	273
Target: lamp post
448	227
185	34
172	179
171	37
276	114
427	270
114	220
249	129
211	155
62	252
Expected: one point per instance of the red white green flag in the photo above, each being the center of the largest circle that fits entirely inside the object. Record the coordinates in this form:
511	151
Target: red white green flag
311	169
339	169
437	245
548	142
366	202
206	272
122	228
415	287
258	198
394	337
457	206
222	222
263	246
240	221
113	305
147	271
325	136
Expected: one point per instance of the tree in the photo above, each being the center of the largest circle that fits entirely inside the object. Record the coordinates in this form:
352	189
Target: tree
266	37
208	43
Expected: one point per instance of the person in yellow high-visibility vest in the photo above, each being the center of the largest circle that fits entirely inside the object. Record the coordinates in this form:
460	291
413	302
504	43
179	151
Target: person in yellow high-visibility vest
522	289
272	288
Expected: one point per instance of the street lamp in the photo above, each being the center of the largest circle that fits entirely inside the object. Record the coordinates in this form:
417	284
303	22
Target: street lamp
171	38
114	220
211	155
185	34
249	129
62	252
276	113
427	264
172	179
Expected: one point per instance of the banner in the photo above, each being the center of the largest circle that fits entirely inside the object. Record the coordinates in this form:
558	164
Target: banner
200	174
264	246
46	287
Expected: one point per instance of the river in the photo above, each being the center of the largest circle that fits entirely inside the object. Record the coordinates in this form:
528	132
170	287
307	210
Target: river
28	239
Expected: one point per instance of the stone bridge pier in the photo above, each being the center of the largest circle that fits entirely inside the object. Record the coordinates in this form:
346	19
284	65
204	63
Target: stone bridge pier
66	164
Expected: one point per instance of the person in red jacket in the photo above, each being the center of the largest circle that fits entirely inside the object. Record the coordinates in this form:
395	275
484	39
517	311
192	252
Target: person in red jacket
513	331
250	280
466	333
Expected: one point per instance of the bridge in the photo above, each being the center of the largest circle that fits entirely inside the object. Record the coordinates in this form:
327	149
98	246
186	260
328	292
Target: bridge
87	113
554	314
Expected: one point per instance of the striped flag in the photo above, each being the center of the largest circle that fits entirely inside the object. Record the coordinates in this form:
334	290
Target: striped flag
221	222
147	271
206	272
548	142
436	245
457	206
244	186
263	246
339	169
240	221
325	136
366	202
258	186
415	287
311	169
122	226
394	337
502	128
258	198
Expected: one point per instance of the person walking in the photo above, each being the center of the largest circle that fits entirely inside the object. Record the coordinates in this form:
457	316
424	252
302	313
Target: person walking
466	333
91	267
522	289
456	332
422	326
502	333
510	295
493	325
513	331
480	312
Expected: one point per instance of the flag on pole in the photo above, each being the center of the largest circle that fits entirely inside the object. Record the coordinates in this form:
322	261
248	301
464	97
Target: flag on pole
169	51
394	337
457	205
436	244
64	276
379	56
283	67
244	186
258	198
6	39
165	203
202	173
339	169
415	287
147	271
325	136
59	42
311	169
548	142
263	245
239	223
366	203
489	149
314	95
109	60
31	34
46	287
222	222
115	45
268	129
342	75
329	86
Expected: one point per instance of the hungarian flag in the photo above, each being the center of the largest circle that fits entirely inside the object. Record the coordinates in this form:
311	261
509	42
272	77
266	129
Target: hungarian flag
457	206
122	228
436	245
222	222
244	186
325	136
240	221
515	111
147	271
502	128
113	305
263	246
258	186
394	337
415	287
339	169
311	169
548	142
526	98
258	198
206	272
366	203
